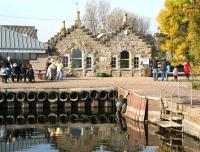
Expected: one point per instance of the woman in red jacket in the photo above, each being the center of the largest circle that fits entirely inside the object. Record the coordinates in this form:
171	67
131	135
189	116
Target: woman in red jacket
187	70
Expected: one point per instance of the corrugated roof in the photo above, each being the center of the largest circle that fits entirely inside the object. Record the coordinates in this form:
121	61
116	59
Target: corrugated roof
11	41
30	31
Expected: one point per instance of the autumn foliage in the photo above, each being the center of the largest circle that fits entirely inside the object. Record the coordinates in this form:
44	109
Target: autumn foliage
179	21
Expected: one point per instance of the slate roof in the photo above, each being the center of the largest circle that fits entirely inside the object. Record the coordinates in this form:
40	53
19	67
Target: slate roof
30	31
11	41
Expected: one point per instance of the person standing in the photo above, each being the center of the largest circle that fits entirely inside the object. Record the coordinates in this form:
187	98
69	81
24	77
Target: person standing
163	69
48	63
50	71
187	70
59	74
7	63
168	69
175	73
155	69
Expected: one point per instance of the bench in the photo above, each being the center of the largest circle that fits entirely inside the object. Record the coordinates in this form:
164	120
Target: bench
40	74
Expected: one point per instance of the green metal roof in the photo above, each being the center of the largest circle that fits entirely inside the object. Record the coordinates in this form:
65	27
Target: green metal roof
11	41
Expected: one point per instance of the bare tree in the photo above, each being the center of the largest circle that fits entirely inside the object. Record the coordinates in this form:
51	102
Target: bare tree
95	13
114	19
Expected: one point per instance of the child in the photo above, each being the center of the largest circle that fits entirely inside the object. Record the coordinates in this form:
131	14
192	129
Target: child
175	73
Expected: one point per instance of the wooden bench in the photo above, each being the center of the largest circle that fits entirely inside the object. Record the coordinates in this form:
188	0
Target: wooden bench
40	74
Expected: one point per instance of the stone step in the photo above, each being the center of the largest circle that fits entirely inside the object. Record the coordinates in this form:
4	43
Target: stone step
173	110
168	124
172	117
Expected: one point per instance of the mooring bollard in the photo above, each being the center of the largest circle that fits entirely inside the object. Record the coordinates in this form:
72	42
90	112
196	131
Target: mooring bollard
74	96
94	95
31	96
31	119
63	96
112	118
41	96
21	96
2	95
10	96
53	96
112	95
93	119
20	119
52	118
103	95
41	119
84	95
10	119
63	118
84	118
102	118
73	118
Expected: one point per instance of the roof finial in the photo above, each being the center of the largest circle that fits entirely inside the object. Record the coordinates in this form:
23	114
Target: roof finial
125	20
62	28
102	27
78	20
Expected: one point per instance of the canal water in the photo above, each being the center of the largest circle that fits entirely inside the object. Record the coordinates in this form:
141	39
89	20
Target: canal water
84	130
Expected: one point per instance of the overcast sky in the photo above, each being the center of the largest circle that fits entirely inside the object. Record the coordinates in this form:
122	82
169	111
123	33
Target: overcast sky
20	12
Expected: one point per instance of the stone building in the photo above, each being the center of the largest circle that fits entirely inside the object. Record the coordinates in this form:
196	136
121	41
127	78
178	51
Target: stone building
120	53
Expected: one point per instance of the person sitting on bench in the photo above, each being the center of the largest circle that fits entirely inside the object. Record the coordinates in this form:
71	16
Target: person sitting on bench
30	73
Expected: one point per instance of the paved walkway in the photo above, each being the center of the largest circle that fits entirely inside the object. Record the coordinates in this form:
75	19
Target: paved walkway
142	85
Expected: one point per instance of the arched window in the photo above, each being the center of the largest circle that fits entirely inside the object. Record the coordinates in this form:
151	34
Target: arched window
76	58
65	60
114	61
124	60
89	61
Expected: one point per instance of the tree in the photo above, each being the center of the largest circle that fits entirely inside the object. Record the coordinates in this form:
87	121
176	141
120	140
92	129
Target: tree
115	18
95	13
179	22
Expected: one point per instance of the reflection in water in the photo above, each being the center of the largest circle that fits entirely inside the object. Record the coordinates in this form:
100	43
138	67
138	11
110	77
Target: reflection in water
93	130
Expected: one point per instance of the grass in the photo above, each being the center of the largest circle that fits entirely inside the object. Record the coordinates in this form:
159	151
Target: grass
196	85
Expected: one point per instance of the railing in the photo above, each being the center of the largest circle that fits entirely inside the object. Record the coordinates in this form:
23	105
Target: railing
176	86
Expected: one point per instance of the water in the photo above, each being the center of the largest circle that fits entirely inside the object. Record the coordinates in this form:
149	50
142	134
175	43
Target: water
93	130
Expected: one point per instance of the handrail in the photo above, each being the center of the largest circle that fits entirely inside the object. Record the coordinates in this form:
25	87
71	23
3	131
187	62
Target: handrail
178	85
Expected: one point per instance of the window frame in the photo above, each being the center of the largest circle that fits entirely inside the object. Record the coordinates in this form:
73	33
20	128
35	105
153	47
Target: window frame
114	57
81	59
136	65
128	60
65	60
89	55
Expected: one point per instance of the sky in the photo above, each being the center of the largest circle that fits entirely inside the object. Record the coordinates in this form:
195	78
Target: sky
32	12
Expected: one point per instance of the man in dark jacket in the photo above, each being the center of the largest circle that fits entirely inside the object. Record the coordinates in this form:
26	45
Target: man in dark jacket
163	69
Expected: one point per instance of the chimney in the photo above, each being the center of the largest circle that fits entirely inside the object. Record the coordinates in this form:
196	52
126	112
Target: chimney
78	20
102	28
125	20
62	28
